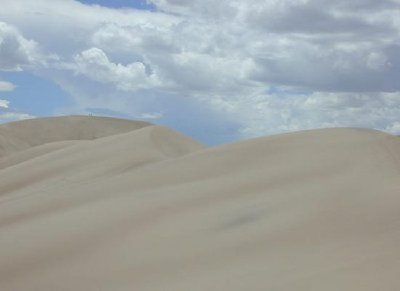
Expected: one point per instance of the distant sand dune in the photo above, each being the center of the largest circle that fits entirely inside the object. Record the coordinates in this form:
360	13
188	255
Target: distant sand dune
89	203
25	134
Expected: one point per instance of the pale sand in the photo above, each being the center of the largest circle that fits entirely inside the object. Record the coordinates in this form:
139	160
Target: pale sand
91	203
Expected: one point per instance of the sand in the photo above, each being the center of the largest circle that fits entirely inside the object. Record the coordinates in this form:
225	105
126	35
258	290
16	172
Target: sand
90	203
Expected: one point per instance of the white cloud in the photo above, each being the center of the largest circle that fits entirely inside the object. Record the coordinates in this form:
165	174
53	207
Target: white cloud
94	64
290	111
7	115
7	86
4	103
14	116
394	128
151	115
15	50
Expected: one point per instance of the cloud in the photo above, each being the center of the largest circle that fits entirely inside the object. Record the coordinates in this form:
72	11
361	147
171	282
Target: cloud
263	66
4	103
393	128
7	114
94	64
6	86
14	116
321	17
15	50
290	111
151	115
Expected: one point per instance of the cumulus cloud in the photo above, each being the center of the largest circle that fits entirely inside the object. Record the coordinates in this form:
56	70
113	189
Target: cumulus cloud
287	111
15	50
4	103
6	86
94	64
271	65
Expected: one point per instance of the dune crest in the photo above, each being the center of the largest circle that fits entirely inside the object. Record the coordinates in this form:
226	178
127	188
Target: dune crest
22	135
147	208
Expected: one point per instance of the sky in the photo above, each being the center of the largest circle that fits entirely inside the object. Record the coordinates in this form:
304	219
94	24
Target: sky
219	71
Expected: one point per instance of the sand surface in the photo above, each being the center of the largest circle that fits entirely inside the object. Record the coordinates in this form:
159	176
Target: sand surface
89	203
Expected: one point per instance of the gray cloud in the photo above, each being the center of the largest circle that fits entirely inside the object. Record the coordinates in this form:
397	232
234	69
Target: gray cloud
15	50
313	19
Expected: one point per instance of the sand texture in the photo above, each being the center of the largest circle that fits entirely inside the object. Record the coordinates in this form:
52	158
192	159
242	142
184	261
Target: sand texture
90	203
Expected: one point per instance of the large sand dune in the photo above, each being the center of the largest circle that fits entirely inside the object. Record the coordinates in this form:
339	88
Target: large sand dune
17	136
104	204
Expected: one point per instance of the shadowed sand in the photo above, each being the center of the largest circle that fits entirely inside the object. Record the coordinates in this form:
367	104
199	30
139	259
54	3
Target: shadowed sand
89	203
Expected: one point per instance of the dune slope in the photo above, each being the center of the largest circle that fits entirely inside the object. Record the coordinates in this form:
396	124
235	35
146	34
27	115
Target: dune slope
150	209
25	134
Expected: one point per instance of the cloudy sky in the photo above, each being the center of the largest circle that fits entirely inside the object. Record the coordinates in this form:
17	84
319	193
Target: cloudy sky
217	70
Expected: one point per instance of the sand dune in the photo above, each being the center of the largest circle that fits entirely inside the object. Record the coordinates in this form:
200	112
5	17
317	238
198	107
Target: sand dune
104	204
17	136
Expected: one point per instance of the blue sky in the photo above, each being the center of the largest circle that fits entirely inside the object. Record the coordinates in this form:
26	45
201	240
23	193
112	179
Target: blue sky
34	95
218	71
137	4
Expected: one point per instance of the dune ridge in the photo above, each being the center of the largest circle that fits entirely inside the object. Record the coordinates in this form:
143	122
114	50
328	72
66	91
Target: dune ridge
22	135
147	208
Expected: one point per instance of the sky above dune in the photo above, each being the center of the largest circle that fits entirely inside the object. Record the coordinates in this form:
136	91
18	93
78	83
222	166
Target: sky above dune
216	70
